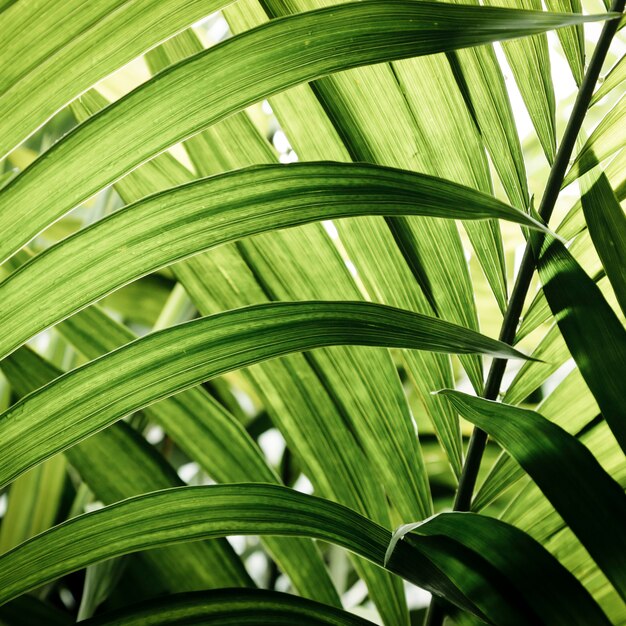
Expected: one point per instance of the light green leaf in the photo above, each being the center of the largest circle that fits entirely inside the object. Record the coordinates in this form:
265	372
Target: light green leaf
372	244
574	222
480	76
190	513
45	66
615	77
34	501
607	138
186	98
311	414
171	360
529	60
203	429
138	468
100	580
175	224
573	38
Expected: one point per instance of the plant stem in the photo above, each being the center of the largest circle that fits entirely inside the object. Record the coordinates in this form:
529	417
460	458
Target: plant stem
478	440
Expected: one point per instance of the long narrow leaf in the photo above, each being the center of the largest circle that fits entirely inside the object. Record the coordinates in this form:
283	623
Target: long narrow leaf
224	79
567	473
175	224
607	138
197	423
168	361
613	79
594	335
45	66
512	578
573	38
229	606
607	226
431	557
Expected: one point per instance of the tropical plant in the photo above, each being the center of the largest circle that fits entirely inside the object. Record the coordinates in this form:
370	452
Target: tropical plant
237	389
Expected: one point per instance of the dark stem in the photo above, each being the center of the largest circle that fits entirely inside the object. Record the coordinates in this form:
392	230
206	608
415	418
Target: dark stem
478	440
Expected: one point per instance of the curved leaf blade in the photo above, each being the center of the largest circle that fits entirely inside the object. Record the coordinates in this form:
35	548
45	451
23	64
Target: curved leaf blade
217	82
199	425
44	67
606	139
573	38
593	333
567	473
229	606
607	226
177	223
512	578
529	60
137	469
615	77
434	557
95	395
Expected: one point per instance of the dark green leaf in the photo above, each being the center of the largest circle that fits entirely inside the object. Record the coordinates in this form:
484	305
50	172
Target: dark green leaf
228	607
567	473
593	334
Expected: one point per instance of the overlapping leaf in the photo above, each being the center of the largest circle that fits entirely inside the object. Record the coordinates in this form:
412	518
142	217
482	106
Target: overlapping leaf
593	333
168	361
44	66
228	606
187	220
432	556
196	422
567	473
223	79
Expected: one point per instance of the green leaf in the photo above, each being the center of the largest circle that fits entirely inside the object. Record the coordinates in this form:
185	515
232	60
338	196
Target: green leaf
100	580
565	471
34	501
171	360
606	139
529	59
534	514
186	220
510	576
573	38
44	66
197	423
574	222
186	98
312	417
138	468
607	226
479	73
431	557
229	606
192	513
570	405
593	334
615	77
353	130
